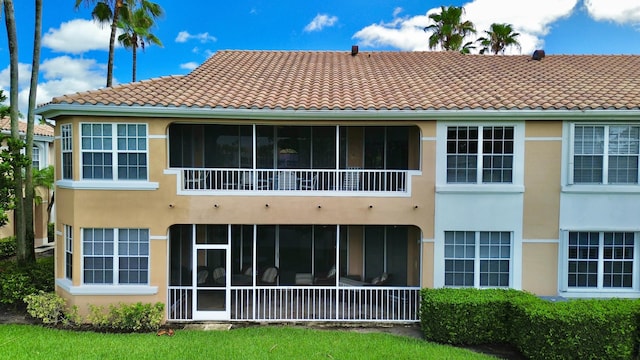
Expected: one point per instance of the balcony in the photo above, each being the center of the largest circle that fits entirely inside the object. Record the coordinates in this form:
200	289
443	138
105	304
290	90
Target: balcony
313	160
298	180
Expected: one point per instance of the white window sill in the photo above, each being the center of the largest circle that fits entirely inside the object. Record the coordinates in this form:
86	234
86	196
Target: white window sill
599	293
608	189
107	185
480	188
66	285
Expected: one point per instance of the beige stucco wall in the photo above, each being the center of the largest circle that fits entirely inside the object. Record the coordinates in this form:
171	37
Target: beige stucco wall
540	268
543	161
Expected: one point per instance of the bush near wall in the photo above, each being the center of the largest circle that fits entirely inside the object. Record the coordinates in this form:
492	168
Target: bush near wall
540	329
17	282
578	329
469	316
7	247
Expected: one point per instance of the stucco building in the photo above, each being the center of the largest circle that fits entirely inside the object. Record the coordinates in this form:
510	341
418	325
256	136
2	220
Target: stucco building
277	185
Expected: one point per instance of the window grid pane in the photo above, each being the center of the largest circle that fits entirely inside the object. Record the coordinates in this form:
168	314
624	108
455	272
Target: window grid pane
493	246
66	141
133	251
132	151
98	248
497	149
492	263
462	152
607	257
68	248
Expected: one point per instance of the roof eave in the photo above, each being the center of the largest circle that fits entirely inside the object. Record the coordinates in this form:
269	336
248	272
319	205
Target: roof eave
51	111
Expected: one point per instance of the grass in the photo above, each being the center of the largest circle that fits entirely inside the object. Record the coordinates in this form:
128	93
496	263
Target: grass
267	342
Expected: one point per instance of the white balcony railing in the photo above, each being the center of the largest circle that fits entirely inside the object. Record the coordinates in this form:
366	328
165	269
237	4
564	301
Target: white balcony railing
309	303
311	180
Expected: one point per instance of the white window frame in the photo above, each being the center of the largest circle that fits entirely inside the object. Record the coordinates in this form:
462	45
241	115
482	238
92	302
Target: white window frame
114	151
66	147
116	257
36	157
477	259
68	251
517	181
605	155
599	289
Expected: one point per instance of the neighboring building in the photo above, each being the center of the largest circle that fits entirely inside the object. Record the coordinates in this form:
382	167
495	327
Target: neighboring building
42	156
234	192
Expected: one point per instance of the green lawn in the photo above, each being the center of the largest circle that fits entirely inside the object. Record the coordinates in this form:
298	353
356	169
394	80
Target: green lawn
268	342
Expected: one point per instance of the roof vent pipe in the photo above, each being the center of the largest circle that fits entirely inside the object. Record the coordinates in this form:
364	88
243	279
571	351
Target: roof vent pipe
538	55
354	50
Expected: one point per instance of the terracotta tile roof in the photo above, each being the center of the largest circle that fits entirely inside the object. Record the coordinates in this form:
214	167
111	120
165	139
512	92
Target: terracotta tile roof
41	130
386	80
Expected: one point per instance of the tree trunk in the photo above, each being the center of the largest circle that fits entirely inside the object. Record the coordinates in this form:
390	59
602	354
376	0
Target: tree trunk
29	188
112	42
18	214
135	58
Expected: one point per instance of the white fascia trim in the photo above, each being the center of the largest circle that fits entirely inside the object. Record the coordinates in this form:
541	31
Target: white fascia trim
107	185
480	188
66	285
54	110
601	189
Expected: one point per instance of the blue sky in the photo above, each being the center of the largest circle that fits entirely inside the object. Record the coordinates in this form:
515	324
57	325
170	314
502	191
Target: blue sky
74	53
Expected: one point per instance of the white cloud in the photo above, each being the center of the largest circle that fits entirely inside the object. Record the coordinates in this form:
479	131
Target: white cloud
58	76
619	11
532	19
320	22
77	36
189	66
184	36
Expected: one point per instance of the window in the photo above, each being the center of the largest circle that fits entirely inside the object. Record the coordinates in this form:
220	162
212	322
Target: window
127	162
67	148
477	259
68	252
605	154
35	158
115	256
600	260
480	154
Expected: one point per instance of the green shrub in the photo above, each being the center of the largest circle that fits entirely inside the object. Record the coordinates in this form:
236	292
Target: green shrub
578	329
18	282
51	309
7	247
136	317
468	316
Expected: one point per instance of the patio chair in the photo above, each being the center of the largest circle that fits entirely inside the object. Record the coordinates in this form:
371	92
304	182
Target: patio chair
219	276
269	276
327	279
202	276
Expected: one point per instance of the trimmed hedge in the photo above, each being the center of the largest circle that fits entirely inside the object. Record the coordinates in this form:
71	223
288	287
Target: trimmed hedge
469	316
575	329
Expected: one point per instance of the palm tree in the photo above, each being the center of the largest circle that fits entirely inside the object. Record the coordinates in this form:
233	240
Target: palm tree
448	30
136	27
14	142
108	11
499	38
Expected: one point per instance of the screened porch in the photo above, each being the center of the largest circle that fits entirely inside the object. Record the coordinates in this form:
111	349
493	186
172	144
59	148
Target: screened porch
240	158
293	272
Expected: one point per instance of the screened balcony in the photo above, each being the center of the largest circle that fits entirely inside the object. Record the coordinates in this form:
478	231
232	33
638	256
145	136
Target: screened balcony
301	159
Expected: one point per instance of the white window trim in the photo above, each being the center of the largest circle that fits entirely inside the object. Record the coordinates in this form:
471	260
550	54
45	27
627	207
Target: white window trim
64	150
578	292
477	259
116	257
66	285
114	152
107	185
517	181
605	186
